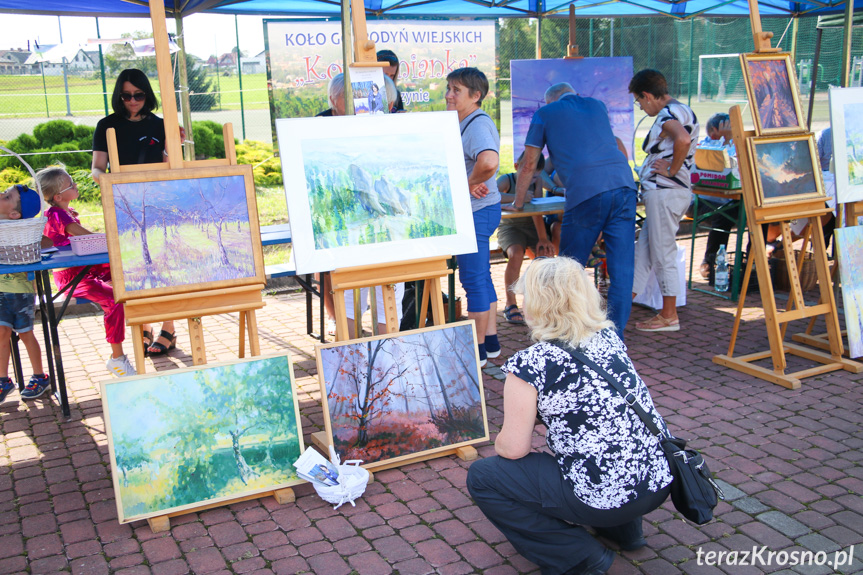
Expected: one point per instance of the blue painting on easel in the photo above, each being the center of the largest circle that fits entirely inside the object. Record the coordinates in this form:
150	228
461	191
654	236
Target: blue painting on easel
849	245
606	79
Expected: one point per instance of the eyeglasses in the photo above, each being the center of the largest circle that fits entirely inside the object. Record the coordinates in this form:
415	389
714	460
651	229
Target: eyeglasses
137	96
74	185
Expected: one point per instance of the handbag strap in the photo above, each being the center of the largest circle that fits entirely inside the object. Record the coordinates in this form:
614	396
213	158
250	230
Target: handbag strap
628	397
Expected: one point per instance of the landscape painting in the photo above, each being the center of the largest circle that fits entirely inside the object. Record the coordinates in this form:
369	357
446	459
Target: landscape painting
189	437
849	244
846	118
606	79
178	231
772	91
363	192
408	396
786	168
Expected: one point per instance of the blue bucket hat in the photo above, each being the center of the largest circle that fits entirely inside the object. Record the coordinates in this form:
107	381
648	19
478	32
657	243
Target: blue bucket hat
31	203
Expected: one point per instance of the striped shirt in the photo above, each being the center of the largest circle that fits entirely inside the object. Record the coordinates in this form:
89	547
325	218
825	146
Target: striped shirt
663	148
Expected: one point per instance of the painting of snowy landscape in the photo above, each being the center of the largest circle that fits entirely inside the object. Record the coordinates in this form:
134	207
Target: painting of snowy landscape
366	190
606	79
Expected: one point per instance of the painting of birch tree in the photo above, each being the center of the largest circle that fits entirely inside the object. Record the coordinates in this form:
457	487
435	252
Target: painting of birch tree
401	396
199	435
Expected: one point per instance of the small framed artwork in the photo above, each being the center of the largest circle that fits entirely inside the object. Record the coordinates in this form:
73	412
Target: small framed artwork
370	190
198	436
786	168
182	231
771	85
846	120
405	397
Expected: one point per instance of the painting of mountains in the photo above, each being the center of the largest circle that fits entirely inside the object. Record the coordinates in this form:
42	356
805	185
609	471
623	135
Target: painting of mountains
772	94
375	189
786	168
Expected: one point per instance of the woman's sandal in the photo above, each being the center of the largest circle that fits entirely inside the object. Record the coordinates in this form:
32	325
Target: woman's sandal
160	348
148	341
659	323
513	315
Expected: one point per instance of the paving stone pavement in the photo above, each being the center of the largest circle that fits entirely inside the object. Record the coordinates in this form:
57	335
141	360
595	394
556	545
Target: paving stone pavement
789	461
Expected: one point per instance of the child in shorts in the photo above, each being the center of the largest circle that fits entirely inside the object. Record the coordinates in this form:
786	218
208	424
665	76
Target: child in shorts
16	300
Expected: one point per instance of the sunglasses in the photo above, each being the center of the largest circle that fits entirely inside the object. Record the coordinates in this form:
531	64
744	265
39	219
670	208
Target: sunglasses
137	96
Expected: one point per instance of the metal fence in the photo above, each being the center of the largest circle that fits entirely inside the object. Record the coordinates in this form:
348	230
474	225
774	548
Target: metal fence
693	54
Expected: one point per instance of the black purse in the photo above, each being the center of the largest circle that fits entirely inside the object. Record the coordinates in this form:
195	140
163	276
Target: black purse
693	491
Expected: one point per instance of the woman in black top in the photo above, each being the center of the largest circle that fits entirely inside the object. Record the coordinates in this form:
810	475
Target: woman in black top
140	140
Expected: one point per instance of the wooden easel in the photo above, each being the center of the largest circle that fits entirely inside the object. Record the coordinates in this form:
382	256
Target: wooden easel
848	217
243	299
572	47
385	276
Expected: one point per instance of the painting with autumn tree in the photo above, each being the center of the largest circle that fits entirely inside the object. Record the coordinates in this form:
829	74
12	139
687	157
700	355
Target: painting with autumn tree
175	229
188	437
770	84
391	398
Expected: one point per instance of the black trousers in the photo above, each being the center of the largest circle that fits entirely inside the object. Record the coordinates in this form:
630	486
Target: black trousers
531	502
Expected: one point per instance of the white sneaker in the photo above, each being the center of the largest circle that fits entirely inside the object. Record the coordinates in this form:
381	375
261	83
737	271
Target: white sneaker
121	366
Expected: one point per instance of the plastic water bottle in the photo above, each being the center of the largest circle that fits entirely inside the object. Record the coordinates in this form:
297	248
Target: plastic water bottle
721	274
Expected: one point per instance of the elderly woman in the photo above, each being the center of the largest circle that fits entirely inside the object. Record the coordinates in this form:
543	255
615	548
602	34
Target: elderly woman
336	96
606	469
465	90
666	189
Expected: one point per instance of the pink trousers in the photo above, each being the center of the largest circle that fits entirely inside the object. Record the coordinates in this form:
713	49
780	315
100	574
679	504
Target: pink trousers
96	287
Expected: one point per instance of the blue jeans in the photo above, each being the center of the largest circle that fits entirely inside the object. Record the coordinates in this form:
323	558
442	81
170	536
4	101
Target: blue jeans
474	270
611	213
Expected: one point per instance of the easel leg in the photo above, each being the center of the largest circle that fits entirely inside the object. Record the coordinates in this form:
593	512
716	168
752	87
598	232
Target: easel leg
741	302
254	342
138	346
341	315
242	351
196	336
388	294
433	288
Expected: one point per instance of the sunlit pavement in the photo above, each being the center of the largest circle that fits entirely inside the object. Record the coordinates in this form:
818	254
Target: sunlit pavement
789	461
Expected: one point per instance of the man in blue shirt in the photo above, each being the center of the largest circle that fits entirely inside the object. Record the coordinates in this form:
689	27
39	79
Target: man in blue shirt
600	190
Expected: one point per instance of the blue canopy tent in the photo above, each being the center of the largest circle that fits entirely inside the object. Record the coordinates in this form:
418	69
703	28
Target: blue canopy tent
680	9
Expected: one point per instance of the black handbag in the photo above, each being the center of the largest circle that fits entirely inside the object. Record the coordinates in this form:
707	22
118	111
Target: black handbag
693	491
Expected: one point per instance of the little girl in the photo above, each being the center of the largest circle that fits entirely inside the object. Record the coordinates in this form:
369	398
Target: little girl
59	190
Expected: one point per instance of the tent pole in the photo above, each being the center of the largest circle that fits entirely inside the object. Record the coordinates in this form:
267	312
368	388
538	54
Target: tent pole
240	77
814	77
102	68
183	76
346	56
65	71
44	89
539	35
847	33
689	72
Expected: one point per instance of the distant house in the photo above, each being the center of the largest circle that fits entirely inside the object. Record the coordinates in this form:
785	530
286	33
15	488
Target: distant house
256	65
51	58
14	62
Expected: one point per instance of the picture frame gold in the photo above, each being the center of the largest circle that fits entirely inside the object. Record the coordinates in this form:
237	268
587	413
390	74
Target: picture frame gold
771	87
202	223
239	422
785	169
437	361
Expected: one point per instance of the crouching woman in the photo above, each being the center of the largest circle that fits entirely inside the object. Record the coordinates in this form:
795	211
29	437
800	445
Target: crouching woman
606	470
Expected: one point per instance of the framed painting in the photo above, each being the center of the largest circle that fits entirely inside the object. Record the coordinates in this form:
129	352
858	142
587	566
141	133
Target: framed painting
185	438
846	120
403	397
849	245
786	168
365	191
606	79
771	86
182	231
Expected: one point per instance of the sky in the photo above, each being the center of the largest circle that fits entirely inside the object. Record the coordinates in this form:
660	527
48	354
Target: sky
206	34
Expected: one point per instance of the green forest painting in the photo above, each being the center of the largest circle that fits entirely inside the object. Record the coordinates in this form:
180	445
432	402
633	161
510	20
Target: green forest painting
377	189
199	435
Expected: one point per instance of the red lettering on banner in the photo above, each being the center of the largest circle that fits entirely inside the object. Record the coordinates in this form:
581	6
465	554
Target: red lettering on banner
311	74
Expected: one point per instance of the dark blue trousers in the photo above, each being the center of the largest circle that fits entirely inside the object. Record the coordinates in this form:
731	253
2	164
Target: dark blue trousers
531	503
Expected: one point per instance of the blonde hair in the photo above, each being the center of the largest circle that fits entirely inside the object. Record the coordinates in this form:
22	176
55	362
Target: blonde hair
51	181
560	301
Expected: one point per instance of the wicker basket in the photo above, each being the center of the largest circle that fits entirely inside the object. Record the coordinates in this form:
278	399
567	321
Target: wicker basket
89	244
352	484
808	275
21	240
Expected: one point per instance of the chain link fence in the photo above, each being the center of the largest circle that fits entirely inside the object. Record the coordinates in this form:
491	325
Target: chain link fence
697	56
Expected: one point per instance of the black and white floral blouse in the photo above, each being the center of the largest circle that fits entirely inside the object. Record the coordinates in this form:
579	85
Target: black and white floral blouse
601	445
